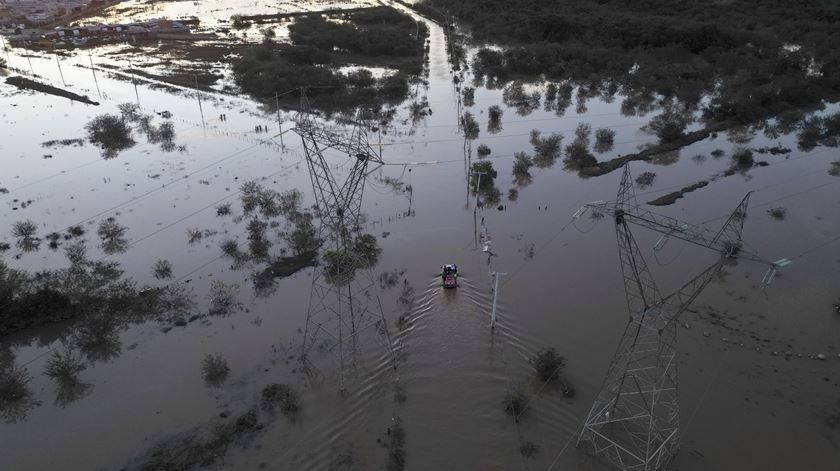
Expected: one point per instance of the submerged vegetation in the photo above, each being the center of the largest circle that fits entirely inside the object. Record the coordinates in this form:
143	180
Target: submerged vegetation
214	369
686	52
381	37
111	133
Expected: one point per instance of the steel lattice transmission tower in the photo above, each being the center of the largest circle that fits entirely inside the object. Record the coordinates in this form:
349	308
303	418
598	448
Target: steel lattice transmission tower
634	421
344	300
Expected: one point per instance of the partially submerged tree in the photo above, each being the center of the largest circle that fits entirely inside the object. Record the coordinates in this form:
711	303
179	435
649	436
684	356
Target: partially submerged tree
494	117
546	149
604	140
470	126
522	164
111	133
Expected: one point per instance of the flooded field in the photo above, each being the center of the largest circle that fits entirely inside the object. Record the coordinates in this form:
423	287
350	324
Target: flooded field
229	349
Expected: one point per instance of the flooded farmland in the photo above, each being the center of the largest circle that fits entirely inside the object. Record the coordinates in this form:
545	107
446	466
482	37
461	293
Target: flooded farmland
205	333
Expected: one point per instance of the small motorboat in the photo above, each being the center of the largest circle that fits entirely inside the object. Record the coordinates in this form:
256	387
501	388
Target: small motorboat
449	275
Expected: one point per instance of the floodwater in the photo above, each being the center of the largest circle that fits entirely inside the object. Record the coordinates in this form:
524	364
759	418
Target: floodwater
440	370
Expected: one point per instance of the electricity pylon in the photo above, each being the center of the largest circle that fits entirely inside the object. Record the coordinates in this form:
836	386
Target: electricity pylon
343	301
634	421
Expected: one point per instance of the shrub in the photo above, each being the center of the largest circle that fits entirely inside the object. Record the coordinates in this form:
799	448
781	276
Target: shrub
778	213
483	151
522	164
214	369
548	364
604	140
304	238
112	235
834	170
645	179
111	133
194	235
578	156
469	96
743	158
470	126
546	149
65	367
515	403
582	133
223	209
282	395
529	450
162	269
25	232
494	114
718	153
15	395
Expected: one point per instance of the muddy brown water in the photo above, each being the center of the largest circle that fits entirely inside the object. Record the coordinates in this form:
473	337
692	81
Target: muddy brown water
742	408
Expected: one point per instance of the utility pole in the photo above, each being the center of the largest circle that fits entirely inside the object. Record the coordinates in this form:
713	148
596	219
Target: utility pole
93	71
279	121
28	59
496	276
134	82
198	96
477	186
59	70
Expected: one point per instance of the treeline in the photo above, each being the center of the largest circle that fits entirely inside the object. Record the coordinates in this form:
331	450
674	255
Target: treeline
379	36
756	58
374	32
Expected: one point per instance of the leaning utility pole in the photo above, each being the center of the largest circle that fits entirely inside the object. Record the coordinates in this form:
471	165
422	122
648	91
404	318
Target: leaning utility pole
634	421
344	300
